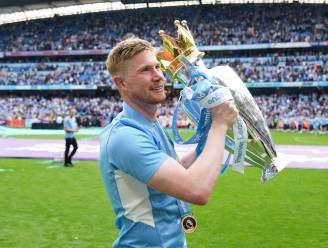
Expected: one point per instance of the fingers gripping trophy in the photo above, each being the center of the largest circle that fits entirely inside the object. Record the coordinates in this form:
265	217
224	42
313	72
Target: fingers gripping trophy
249	139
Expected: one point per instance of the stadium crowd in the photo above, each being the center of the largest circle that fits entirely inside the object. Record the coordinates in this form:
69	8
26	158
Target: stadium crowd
251	24
235	24
296	111
28	110
306	67
74	73
91	31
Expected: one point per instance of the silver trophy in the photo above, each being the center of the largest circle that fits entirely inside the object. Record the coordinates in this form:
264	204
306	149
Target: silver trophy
255	145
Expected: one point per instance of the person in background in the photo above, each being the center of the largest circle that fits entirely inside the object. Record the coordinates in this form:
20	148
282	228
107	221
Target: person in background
70	127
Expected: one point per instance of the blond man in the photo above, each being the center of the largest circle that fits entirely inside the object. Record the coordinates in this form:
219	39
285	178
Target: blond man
148	184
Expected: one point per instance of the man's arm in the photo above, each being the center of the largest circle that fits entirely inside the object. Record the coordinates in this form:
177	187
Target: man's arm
187	158
68	129
196	183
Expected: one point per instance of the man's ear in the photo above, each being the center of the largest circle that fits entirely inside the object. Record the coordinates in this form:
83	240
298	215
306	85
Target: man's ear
119	81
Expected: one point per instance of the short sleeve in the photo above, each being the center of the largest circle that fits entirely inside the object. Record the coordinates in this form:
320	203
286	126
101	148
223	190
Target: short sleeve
134	152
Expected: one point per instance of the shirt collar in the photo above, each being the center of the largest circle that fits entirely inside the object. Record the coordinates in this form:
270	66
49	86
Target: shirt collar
130	112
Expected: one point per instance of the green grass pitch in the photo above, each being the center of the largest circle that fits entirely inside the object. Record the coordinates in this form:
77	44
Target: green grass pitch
279	137
45	205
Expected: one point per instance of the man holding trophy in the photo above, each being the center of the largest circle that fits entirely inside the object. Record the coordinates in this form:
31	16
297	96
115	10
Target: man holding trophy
148	184
146	181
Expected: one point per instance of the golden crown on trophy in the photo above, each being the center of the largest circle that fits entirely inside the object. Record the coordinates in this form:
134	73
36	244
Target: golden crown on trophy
173	48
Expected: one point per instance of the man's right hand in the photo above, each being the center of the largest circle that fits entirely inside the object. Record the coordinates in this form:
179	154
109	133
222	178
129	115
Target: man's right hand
226	113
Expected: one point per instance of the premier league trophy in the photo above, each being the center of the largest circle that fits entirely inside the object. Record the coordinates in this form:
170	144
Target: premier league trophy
249	139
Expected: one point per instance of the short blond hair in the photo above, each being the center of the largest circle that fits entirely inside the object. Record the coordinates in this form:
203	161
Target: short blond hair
125	50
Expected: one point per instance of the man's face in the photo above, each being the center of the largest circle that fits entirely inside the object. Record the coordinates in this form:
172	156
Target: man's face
143	78
72	112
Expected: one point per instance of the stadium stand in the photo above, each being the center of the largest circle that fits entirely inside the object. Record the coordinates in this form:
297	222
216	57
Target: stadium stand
73	73
307	67
279	51
211	25
296	111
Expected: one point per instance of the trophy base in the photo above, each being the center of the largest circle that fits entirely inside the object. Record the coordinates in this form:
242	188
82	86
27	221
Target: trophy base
268	173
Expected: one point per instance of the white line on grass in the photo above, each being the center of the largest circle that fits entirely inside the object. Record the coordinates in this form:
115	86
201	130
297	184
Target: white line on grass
7	170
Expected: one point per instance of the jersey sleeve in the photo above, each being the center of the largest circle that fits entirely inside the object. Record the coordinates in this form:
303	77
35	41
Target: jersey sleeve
135	152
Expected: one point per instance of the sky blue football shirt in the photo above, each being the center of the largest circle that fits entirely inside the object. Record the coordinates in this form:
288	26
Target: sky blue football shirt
132	149
70	122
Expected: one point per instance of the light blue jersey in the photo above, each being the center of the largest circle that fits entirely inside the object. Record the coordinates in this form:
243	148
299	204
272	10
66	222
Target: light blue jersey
70	123
132	149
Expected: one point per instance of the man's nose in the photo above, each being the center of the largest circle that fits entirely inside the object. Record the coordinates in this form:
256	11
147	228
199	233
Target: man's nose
158	74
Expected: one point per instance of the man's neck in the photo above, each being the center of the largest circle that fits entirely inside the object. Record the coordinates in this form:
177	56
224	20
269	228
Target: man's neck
147	110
